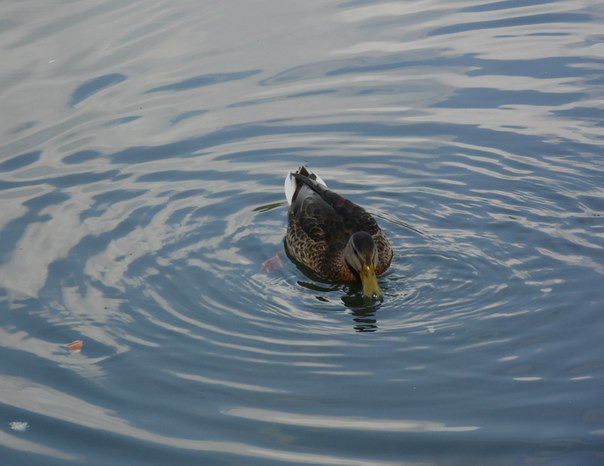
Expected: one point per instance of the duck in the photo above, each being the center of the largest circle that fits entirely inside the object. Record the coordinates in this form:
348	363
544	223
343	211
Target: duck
332	236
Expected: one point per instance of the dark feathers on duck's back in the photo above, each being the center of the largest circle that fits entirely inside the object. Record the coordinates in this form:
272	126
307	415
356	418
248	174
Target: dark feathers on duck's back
332	236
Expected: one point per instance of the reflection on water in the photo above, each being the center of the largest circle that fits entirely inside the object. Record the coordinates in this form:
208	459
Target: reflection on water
143	152
324	422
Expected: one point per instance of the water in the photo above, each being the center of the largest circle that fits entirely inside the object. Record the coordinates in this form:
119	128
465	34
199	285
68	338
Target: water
142	154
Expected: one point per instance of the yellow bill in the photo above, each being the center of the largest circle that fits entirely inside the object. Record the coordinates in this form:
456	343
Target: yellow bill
371	289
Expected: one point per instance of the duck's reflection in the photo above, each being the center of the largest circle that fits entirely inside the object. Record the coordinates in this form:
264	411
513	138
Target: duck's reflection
365	322
363	309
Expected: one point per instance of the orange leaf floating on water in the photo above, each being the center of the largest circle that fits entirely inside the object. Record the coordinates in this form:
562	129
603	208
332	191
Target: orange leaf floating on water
75	346
272	264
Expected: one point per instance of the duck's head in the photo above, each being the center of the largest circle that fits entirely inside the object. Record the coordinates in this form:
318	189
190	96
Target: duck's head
361	254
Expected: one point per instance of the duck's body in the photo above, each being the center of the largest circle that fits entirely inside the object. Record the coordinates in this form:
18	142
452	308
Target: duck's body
332	236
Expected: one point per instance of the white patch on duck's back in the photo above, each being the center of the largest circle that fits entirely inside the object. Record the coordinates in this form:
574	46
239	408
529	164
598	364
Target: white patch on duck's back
290	188
290	185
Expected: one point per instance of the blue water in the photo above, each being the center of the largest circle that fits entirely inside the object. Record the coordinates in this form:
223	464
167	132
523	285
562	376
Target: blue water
142	154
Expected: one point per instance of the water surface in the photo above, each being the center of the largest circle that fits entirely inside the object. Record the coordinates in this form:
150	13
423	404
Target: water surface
142	155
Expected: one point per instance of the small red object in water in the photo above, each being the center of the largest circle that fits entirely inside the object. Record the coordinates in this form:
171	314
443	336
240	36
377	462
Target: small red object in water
75	346
272	264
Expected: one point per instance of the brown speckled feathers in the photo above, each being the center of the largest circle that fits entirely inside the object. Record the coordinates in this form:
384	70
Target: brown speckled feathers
320	224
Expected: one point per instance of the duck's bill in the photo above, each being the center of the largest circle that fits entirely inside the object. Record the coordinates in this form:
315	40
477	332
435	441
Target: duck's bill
371	289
